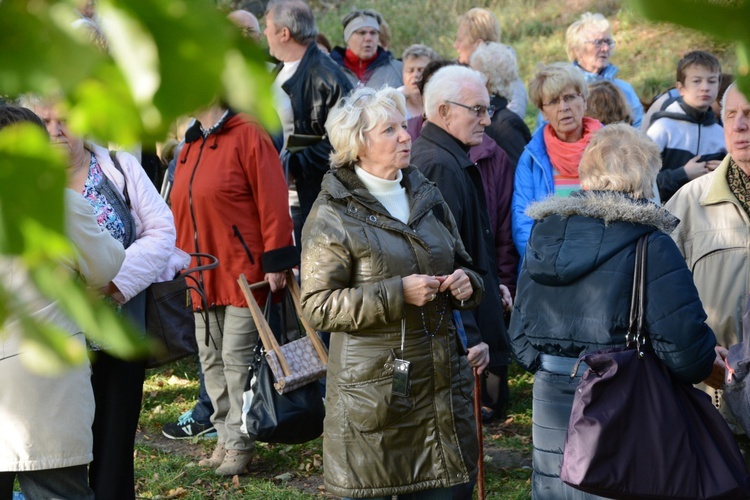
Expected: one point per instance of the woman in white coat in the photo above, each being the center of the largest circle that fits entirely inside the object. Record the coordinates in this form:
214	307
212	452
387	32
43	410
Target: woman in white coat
127	205
46	436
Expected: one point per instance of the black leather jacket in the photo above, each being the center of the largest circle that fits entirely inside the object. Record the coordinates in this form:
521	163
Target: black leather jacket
314	90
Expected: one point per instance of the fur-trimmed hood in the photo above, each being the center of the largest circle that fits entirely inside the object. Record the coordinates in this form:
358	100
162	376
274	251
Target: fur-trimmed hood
572	236
609	206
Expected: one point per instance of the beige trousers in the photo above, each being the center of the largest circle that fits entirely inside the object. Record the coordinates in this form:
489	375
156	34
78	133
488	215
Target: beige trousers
225	367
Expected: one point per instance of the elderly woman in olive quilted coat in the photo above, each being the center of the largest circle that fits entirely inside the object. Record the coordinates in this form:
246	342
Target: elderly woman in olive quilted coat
379	271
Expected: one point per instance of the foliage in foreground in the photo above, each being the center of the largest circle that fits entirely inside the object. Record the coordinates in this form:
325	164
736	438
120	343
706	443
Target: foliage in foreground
169	57
166	59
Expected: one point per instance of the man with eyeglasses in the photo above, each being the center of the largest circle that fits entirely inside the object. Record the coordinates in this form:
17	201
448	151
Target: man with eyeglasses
714	235
589	45
457	107
363	60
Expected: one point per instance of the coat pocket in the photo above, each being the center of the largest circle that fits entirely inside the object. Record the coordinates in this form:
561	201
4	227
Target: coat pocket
238	235
367	400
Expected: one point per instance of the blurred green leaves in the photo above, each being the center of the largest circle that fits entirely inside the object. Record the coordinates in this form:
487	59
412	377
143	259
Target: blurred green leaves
166	59
725	20
32	217
32	178
95	317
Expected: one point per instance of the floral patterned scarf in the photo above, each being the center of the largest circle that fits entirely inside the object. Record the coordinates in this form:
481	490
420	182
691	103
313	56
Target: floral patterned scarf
739	185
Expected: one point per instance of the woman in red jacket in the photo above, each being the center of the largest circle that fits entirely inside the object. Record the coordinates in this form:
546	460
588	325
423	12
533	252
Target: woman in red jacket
230	200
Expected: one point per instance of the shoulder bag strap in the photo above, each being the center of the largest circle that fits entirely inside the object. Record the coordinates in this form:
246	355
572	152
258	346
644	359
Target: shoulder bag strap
636	331
113	155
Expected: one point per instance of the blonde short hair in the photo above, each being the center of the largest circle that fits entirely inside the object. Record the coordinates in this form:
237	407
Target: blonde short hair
621	158
574	38
482	24
498	63
552	79
356	115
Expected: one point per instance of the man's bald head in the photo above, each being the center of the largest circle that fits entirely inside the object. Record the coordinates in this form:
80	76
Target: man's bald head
247	22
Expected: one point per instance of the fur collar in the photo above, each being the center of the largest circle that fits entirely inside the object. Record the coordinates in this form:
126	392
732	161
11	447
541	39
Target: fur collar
609	206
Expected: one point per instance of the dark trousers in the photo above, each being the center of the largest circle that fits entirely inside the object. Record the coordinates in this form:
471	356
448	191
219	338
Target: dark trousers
464	491
203	409
436	494
495	392
66	482
118	391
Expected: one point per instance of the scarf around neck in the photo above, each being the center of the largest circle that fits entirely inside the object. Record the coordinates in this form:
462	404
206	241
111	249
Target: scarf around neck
739	185
565	156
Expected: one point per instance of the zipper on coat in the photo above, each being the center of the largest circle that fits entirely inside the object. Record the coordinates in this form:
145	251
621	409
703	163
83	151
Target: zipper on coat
699	139
195	238
238	235
190	195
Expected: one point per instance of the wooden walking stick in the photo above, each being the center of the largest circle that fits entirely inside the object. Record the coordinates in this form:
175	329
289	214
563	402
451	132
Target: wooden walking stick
478	418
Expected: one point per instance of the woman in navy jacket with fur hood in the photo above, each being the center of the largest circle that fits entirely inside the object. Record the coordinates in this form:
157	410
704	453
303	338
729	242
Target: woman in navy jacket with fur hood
574	290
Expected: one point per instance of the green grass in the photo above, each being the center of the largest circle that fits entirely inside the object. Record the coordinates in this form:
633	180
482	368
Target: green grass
168	469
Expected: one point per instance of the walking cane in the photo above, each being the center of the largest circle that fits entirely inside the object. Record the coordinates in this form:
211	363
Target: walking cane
478	418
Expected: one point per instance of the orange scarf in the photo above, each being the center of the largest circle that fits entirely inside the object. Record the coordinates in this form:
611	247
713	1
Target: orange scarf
565	156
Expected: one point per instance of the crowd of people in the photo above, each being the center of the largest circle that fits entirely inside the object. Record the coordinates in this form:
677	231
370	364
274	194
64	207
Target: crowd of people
436	236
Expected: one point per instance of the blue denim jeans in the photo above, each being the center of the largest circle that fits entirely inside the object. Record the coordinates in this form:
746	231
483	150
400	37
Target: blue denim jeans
203	409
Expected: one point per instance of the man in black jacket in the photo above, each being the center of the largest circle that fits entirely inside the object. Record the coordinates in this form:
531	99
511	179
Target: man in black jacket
312	84
456	106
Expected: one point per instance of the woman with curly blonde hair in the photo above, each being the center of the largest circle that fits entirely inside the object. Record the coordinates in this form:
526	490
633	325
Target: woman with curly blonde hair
379	271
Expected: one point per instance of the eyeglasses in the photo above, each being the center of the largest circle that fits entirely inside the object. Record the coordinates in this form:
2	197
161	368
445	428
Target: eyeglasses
567	99
478	109
599	43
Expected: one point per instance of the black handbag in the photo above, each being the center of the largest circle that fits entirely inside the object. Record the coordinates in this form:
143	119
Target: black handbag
169	314
636	432
292	418
737	383
170	321
270	416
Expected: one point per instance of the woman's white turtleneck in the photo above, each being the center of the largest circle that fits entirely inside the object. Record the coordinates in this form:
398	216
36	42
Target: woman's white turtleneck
390	193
